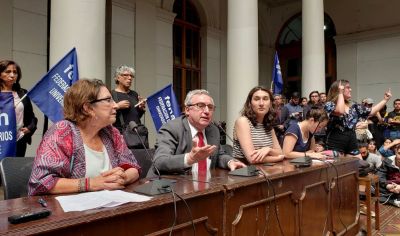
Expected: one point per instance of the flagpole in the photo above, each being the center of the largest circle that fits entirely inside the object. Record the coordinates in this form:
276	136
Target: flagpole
272	86
20	100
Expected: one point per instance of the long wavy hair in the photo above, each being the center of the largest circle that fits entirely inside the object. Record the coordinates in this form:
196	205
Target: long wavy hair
334	91
248	112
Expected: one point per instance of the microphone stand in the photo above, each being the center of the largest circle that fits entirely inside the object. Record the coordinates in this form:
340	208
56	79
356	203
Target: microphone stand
156	186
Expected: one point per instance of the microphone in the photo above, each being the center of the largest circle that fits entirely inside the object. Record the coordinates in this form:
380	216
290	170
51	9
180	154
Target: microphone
157	186
223	130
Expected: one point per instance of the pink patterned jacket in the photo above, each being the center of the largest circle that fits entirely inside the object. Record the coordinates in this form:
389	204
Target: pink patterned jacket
61	155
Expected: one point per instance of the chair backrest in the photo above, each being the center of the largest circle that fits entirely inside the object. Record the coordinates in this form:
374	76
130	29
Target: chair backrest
15	173
144	160
228	149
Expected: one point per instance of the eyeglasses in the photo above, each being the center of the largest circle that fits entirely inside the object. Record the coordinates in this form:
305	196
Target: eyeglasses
314	96
126	75
107	99
202	106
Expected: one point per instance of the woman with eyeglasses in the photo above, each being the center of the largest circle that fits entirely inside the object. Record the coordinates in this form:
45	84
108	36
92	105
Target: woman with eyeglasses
130	106
343	117
299	138
10	76
389	179
254	139
84	152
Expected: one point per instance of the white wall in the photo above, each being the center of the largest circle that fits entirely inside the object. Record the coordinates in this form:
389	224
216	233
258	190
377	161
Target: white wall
370	60
29	50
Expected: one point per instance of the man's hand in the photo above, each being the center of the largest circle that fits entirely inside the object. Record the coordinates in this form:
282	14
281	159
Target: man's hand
200	153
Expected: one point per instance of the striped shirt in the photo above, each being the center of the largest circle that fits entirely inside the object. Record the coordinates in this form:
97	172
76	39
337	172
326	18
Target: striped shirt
259	136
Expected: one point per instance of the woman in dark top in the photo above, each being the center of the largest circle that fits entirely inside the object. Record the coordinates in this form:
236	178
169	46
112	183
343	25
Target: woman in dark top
126	98
299	140
10	75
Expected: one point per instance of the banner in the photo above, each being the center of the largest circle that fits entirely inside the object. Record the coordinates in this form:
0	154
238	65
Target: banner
163	106
8	126
48	93
277	76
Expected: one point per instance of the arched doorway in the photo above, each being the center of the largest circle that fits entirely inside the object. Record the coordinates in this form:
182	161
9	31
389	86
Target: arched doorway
289	48
186	41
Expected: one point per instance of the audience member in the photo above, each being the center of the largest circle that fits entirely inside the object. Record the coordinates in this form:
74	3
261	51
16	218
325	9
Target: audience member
254	139
277	106
389	179
292	112
299	140
386	150
377	126
344	115
303	102
10	75
84	152
322	98
374	160
394	120
191	141
372	148
126	98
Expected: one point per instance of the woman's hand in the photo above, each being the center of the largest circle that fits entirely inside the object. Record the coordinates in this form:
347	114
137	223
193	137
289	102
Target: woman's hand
113	179
387	95
259	154
123	104
340	87
25	130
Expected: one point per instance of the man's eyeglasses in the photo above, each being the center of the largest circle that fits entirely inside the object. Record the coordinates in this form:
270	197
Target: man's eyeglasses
107	99
202	106
314	96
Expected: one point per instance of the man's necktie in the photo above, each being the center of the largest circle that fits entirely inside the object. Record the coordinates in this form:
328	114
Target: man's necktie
202	164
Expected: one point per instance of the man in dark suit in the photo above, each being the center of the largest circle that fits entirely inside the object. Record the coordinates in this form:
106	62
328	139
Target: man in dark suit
191	142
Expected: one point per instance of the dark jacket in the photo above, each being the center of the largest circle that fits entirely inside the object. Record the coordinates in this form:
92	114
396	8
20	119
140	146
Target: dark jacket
174	139
30	120
386	170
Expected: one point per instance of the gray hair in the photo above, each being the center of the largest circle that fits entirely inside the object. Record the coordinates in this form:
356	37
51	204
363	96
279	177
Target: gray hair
190	94
121	69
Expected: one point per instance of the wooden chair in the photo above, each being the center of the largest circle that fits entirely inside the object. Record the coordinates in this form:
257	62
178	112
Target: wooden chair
364	184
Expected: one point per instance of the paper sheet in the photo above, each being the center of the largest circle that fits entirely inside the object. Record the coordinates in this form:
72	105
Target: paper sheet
92	200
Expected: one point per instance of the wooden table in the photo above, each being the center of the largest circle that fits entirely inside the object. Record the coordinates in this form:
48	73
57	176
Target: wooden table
297	201
302	201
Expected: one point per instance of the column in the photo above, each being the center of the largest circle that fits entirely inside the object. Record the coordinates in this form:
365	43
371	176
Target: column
79	24
313	75
242	55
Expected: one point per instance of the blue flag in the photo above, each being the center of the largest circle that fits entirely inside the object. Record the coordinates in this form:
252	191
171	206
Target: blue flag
48	93
163	106
8	126
277	76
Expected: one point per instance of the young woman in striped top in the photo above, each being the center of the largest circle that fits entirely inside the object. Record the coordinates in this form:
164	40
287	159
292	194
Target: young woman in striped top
254	137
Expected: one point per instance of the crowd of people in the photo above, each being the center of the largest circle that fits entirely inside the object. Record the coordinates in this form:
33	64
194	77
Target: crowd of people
86	151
